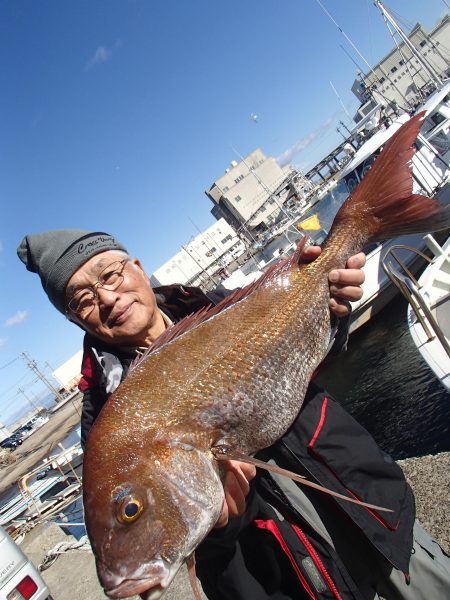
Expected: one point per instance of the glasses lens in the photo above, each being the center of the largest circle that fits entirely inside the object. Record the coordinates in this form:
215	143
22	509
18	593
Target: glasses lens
82	302
111	277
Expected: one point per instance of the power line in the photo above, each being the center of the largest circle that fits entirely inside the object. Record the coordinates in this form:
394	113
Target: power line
9	363
33	366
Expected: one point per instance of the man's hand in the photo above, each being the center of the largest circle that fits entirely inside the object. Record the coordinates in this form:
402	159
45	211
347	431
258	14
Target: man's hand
345	284
236	486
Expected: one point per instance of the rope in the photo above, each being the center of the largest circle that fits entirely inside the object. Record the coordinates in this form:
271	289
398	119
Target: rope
62	548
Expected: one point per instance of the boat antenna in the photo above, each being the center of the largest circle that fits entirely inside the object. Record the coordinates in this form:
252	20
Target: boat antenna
340	101
343	33
377	78
405	59
418	55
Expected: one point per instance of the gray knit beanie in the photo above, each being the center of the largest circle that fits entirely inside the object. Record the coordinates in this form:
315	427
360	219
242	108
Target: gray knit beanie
56	255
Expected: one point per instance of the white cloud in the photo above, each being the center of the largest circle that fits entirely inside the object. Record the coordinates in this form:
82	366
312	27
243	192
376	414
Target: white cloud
3	341
102	55
286	157
19	317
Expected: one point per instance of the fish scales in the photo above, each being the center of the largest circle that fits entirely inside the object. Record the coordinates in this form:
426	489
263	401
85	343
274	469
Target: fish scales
237	377
237	368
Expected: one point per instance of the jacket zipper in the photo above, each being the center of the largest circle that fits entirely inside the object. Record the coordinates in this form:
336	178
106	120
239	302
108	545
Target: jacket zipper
273	529
311	551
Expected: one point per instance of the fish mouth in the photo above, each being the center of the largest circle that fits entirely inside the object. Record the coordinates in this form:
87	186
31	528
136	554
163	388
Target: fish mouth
146	588
150	586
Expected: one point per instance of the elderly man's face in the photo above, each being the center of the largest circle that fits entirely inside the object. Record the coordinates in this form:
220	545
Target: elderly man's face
124	316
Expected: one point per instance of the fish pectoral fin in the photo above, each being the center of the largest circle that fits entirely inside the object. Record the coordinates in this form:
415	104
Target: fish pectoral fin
228	453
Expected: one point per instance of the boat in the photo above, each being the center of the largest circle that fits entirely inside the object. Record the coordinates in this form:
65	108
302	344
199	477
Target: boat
428	313
431	177
44	491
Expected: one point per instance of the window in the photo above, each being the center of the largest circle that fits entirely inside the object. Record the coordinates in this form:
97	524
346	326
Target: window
401	62
393	69
238	179
382	79
211	252
422	43
225	189
226	239
262	209
238	198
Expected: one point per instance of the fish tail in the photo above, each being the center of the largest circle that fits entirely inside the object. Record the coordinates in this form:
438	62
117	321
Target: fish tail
383	204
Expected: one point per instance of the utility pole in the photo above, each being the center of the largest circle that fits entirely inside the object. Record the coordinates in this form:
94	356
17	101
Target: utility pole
202	269
22	391
31	364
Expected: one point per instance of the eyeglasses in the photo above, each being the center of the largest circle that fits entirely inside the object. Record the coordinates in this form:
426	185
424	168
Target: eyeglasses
82	303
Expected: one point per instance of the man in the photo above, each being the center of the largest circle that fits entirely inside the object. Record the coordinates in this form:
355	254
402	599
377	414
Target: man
282	542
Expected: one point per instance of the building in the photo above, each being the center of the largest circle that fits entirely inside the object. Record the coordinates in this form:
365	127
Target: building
251	192
203	261
401	79
4	432
69	373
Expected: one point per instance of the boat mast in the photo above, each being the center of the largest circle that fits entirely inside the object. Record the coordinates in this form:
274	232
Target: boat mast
418	55
376	78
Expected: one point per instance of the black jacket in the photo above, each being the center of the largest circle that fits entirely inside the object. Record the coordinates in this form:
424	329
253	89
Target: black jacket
274	551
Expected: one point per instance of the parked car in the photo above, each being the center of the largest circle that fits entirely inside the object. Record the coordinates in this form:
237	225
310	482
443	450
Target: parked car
19	578
11	443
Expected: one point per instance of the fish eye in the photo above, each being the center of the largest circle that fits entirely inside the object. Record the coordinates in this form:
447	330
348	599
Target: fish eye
130	510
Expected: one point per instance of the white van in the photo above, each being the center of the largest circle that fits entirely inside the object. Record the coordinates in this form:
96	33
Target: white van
19	578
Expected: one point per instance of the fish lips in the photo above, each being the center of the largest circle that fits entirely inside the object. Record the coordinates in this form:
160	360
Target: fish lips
145	588
151	584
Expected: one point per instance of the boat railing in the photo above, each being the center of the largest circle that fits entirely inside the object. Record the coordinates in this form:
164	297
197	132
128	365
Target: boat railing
64	458
410	288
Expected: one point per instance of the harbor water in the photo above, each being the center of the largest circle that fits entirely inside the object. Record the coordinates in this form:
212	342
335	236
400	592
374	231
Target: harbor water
385	384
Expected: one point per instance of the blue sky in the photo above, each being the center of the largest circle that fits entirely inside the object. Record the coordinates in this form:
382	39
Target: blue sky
117	115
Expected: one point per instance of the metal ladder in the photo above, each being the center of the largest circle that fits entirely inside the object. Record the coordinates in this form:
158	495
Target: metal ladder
408	285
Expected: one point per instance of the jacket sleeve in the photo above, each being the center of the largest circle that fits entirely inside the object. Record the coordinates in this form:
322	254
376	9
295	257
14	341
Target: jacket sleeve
93	397
91	407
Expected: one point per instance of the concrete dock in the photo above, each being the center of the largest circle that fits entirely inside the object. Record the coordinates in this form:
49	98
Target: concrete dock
72	576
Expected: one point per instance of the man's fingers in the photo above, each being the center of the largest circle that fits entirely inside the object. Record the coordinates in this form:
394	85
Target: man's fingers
236	487
310	253
346	292
338	307
346	277
357	261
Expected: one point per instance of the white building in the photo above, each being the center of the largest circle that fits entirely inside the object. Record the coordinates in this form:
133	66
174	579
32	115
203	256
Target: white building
69	373
251	192
401	79
201	261
4	432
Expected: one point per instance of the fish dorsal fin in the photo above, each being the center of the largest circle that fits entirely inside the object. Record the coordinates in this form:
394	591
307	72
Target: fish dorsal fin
199	317
227	453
